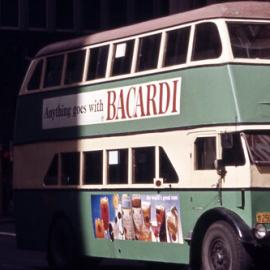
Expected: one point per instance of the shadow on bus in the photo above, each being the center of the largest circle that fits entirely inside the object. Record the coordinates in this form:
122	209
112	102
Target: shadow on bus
108	264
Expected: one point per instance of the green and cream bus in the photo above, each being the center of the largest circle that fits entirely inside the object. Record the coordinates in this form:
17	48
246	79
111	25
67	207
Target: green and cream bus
149	142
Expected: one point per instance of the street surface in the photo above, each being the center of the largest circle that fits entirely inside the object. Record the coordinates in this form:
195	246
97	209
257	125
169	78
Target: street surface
12	258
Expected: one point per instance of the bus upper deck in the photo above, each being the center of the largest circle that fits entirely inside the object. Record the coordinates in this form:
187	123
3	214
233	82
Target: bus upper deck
146	72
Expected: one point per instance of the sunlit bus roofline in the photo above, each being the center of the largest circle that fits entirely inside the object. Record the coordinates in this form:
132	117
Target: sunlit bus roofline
234	10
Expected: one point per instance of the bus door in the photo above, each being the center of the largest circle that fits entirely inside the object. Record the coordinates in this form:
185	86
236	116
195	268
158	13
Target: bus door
205	181
217	162
205	151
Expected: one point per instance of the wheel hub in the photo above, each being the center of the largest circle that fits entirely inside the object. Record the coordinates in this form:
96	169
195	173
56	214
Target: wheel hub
219	256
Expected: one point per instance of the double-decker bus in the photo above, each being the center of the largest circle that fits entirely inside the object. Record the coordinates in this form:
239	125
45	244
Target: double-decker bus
149	142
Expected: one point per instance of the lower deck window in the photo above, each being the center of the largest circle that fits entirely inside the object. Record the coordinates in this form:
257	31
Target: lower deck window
118	166
166	169
70	168
93	162
143	165
52	173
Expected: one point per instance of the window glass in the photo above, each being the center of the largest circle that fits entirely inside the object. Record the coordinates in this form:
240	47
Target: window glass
166	169
207	44
70	168
250	40
148	52
116	18
75	65
205	153
177	46
93	167
98	62
123	53
118	166
232	151
53	71
143	165
52	173
258	143
37	13
34	82
64	14
91	14
9	12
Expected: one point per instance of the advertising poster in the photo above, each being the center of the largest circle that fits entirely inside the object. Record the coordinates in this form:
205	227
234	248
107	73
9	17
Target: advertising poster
141	217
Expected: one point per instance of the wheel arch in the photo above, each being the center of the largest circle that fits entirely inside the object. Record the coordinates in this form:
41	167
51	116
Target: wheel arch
62	217
241	229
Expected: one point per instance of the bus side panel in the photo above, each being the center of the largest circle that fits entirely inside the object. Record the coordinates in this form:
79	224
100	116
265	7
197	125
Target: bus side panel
35	211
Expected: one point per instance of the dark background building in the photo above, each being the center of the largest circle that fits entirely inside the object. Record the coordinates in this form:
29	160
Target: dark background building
28	25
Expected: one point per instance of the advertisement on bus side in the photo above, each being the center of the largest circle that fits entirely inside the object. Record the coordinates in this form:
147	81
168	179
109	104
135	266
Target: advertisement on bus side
142	217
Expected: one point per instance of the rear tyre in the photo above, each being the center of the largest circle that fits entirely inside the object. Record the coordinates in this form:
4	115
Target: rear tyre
62	252
222	250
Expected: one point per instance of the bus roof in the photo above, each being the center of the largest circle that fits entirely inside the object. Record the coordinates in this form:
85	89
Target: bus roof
237	10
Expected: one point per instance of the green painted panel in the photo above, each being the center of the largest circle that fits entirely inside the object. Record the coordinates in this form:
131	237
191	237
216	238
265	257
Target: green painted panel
210	95
35	209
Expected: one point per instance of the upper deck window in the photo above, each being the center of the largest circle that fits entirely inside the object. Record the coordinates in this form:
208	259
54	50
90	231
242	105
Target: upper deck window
123	53
177	46
148	52
250	40
75	64
98	62
53	71
34	82
207	44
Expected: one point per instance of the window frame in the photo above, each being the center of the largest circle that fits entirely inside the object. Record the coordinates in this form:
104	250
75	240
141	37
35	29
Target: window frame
220	24
217	152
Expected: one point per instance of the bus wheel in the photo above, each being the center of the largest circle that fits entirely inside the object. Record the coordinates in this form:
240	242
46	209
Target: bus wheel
61	246
222	250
